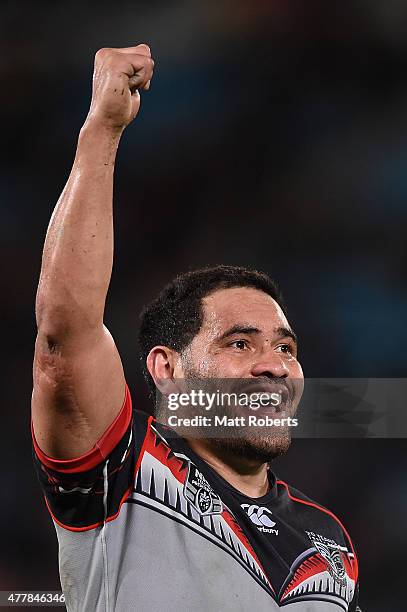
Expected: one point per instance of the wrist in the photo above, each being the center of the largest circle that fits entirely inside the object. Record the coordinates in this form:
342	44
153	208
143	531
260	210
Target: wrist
94	127
98	140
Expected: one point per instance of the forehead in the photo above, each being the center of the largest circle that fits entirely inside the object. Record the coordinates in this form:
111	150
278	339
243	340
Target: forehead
241	305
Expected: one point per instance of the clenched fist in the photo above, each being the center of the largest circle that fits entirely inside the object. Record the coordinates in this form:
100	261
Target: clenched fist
117	77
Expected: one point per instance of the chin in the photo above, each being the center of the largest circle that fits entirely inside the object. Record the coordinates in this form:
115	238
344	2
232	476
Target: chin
262	449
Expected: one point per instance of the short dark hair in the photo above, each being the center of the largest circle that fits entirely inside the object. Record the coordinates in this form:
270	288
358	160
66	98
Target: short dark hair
176	314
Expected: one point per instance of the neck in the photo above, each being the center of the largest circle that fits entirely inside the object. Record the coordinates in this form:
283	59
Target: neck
248	477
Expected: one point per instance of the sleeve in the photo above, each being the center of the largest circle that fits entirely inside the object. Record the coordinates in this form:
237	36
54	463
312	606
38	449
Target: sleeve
353	557
353	606
84	492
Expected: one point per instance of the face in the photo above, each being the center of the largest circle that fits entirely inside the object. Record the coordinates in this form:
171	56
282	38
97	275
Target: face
246	336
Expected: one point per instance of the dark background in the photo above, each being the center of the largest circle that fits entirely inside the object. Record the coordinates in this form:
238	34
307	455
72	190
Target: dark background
274	136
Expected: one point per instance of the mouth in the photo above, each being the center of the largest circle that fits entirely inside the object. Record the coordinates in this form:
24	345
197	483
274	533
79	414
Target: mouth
275	396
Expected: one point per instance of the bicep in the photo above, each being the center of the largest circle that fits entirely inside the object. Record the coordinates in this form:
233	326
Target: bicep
79	389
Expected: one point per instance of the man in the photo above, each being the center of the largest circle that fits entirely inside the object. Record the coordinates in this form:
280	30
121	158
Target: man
147	519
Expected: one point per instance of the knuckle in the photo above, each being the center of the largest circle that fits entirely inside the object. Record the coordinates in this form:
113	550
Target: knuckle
148	63
106	54
101	53
145	47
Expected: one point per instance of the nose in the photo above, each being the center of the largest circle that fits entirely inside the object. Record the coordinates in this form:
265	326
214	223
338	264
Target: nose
270	364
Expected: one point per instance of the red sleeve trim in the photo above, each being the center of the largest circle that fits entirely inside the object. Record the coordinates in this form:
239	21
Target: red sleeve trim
99	452
123	499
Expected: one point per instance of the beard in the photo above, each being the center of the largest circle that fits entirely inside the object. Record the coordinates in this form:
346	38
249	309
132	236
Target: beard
256	448
255	444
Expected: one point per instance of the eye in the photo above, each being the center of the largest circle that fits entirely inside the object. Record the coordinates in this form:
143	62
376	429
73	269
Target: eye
239	344
286	348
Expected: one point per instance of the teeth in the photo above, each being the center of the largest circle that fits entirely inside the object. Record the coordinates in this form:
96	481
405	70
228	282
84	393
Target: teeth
263	394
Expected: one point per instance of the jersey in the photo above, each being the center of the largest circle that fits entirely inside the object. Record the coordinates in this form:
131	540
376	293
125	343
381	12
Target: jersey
145	524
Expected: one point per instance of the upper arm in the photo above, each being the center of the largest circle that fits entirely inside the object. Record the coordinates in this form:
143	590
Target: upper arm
79	388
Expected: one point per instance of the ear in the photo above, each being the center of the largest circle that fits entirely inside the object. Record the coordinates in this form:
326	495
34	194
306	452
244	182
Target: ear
161	363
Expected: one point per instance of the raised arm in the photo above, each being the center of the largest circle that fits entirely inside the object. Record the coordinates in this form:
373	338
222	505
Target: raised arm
79	384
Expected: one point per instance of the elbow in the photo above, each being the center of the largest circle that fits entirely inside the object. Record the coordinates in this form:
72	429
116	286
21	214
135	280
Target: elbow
52	319
58	320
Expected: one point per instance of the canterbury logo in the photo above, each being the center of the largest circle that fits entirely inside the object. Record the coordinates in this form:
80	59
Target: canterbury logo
258	515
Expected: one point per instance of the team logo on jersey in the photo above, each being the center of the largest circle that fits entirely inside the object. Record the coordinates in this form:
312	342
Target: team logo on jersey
330	551
200	494
260	516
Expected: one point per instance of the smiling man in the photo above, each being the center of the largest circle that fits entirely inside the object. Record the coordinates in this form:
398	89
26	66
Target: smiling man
224	327
149	518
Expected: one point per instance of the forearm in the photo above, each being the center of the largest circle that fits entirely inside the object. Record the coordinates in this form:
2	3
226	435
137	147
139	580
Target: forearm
78	251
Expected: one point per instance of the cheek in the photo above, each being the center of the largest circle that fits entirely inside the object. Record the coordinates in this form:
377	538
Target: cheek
228	366
205	366
199	362
296	370
217	366
297	376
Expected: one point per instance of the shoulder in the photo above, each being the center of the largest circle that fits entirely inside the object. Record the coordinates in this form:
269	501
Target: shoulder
312	513
329	541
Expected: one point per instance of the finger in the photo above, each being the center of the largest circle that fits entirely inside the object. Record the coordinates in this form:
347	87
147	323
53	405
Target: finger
135	83
142	49
138	68
139	80
141	75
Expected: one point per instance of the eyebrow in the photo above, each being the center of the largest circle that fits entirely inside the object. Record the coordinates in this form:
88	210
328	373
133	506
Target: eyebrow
282	332
286	332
